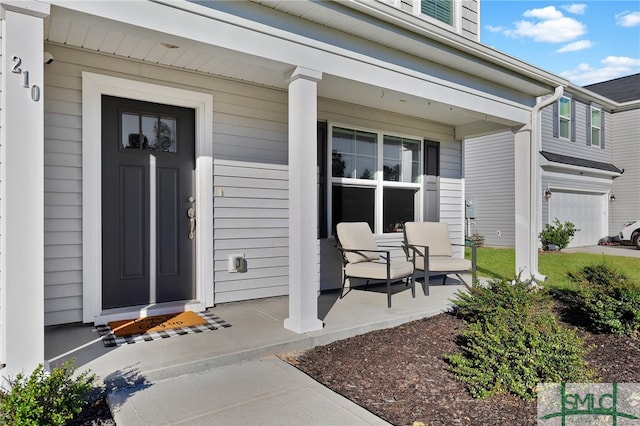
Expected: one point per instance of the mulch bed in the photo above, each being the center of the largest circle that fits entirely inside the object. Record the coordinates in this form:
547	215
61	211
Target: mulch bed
400	375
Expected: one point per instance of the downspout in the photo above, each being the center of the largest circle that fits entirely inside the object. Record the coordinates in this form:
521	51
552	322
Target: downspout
534	193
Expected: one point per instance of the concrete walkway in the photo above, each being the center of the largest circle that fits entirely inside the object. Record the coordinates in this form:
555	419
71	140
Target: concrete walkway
232	376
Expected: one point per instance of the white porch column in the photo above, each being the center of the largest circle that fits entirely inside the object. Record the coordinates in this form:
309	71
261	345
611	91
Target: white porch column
303	202
22	175
526	242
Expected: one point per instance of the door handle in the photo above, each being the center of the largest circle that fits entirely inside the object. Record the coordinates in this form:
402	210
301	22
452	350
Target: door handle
191	214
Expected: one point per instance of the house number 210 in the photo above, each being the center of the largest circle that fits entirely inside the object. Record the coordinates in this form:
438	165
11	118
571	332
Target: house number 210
16	68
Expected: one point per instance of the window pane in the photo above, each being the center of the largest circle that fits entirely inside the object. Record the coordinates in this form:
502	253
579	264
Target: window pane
595	136
353	205
354	154
365	168
130	131
401	159
399	207
595	117
150	132
343	140
167	135
564	128
565	107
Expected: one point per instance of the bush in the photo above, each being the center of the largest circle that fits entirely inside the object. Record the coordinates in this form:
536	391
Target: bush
45	399
608	299
558	235
476	239
514	342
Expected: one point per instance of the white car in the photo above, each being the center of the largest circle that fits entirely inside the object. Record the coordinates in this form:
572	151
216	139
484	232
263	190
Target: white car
630	233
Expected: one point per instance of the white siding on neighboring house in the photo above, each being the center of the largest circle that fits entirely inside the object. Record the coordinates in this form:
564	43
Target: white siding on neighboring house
490	181
626	156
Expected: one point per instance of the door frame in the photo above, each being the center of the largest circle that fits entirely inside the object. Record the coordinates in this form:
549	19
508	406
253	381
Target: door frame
93	87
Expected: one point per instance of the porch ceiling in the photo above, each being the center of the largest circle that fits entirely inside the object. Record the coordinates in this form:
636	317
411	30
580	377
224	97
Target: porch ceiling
75	29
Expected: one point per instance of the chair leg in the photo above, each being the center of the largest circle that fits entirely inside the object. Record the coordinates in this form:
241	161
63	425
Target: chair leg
444	279
388	293
344	281
413	285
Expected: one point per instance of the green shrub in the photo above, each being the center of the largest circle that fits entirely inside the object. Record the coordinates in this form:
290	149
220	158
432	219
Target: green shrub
514	342
608	299
45	399
558	234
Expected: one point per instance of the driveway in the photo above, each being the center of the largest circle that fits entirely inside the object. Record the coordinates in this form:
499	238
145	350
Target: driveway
628	251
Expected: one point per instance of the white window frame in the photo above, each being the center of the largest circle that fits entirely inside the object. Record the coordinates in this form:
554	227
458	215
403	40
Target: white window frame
455	13
597	126
378	183
561	117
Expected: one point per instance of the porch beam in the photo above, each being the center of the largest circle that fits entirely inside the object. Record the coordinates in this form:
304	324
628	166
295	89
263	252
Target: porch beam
303	202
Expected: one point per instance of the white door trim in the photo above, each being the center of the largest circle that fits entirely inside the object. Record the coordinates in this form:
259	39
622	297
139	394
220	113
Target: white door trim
93	87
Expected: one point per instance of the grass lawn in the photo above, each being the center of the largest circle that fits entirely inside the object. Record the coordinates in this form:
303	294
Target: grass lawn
501	263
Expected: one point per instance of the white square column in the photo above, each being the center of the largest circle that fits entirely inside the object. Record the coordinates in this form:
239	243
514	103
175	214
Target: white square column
303	202
526	217
22	187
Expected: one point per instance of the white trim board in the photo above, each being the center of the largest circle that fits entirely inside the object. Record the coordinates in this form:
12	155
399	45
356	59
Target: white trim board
93	87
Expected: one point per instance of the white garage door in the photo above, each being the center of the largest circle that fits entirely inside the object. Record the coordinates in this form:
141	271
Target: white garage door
587	211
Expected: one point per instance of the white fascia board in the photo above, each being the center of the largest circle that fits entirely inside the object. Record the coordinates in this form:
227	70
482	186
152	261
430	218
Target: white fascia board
252	38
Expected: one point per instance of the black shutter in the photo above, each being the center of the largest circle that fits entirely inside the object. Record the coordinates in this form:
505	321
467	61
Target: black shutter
573	120
322	179
601	129
556	120
588	125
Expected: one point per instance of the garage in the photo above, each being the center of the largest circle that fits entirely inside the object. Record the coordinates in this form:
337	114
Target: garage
587	211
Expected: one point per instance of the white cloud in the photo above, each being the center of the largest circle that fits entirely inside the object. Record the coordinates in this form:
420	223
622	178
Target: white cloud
494	29
549	25
576	9
611	67
575	46
628	19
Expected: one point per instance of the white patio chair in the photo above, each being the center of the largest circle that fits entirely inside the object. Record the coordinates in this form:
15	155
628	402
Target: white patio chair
428	245
363	258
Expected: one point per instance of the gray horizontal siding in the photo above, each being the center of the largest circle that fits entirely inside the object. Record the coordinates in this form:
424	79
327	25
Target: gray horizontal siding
251	217
490	180
249	124
627	157
579	148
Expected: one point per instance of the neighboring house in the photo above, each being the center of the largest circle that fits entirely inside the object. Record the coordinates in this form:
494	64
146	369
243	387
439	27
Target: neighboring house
626	151
167	155
587	172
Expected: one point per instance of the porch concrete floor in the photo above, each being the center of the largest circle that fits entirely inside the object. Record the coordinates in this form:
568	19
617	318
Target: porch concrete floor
142	377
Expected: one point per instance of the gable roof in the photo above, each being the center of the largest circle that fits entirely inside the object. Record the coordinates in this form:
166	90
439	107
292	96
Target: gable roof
623	89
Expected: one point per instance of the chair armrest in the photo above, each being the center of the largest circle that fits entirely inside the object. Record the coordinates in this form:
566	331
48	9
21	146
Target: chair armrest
359	251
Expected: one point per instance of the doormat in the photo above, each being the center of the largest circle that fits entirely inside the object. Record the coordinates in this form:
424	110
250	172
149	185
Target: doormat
157	327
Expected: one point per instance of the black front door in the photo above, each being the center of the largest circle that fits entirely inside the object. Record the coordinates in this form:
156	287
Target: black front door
148	206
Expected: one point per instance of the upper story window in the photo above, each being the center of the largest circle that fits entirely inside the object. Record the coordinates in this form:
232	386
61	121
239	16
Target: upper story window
596	127
442	10
376	178
564	117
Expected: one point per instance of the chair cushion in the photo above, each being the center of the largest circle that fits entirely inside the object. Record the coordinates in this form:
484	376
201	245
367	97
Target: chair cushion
377	269
432	234
357	236
444	264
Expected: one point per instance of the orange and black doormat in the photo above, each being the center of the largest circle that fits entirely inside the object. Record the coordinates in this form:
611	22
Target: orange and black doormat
156	327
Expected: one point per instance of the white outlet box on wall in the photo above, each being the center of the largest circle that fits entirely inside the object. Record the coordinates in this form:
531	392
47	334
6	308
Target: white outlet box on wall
237	263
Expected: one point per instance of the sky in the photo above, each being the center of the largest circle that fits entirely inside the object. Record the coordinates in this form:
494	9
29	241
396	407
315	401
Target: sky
583	41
